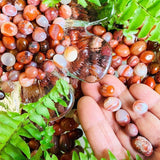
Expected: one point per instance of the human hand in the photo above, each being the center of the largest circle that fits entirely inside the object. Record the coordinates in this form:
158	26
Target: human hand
101	128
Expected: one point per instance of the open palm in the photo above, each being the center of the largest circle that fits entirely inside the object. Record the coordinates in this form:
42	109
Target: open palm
102	130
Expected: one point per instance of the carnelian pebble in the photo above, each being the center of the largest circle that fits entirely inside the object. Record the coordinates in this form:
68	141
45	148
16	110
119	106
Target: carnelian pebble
3	18
39	34
138	47
34	47
9	42
112	104
65	11
31	72
99	30
129	40
40	57
50	53
106	90
30	12
43	7
113	43
9	10
1	71
116	61
18	66
41	75
25	27
24	81
149	81
133	61
24	57
58	129
20	4
122	79
134	79
118	35
56	32
22	44
107	36
51	13
147	56
34	2
9	29
125	70
18	18
153	68
122	50
111	71
3	2
157	88
68	124
48	66
2	47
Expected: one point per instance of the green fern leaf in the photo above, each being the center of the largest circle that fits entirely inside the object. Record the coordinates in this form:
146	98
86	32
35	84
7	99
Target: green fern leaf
33	131
23	132
122	4
17	141
54	95
42	110
139	14
5	156
14	152
155	34
83	156
34	117
128	12
148	25
132	14
154	9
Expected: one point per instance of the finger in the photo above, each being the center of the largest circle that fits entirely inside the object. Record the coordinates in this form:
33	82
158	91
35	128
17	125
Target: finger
147	123
156	154
98	132
91	89
120	133
147	94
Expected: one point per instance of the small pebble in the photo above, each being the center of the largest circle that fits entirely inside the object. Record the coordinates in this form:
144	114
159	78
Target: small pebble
59	61
131	129
71	54
140	70
112	104
107	90
122	117
125	70
8	59
140	107
142	145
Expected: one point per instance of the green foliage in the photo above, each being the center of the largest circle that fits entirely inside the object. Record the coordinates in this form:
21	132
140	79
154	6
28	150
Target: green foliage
51	3
84	3
132	14
89	155
14	126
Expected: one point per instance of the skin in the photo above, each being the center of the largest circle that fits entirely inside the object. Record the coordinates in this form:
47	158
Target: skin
102	130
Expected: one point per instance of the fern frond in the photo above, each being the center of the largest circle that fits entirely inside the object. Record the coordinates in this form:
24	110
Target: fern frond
14	126
11	144
132	14
141	12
